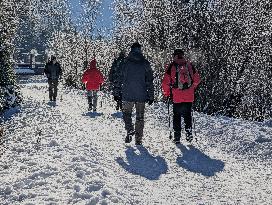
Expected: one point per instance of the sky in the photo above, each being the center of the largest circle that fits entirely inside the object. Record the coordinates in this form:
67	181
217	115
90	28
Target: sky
103	21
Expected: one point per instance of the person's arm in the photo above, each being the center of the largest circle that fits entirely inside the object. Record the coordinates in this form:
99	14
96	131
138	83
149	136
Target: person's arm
118	80
84	78
111	73
101	78
149	82
60	71
166	81
46	69
196	77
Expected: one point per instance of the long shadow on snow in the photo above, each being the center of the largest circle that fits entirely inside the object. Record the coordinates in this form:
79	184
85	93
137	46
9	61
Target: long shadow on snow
143	164
52	104
92	114
194	160
120	114
117	115
7	114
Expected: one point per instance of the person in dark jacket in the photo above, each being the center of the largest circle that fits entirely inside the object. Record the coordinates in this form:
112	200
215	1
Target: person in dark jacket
53	72
117	63
134	86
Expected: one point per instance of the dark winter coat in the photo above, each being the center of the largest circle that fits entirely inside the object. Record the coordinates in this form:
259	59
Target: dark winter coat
53	71
114	67
134	79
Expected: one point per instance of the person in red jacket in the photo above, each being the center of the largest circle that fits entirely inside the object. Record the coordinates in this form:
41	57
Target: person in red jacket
179	83
93	79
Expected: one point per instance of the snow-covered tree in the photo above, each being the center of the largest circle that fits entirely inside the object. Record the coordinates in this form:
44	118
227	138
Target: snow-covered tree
229	41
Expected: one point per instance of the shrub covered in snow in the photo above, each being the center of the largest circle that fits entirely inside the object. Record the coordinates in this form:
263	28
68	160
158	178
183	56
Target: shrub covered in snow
9	97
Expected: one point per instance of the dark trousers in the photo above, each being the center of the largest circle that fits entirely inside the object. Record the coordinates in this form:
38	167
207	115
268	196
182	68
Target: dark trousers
53	89
92	99
127	117
119	105
182	110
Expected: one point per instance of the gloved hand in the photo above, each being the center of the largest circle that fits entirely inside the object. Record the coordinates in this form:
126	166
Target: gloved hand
185	86
150	102
117	98
165	99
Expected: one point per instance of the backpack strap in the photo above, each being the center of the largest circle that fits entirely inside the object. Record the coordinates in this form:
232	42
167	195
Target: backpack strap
189	74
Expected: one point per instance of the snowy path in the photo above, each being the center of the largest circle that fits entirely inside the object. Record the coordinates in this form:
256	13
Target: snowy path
64	155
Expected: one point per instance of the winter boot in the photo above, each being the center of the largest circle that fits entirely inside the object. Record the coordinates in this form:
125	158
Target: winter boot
177	136
129	136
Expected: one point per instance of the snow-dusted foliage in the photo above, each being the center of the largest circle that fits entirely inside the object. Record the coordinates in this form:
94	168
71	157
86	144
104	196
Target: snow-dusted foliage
10	11
76	46
73	58
229	41
39	23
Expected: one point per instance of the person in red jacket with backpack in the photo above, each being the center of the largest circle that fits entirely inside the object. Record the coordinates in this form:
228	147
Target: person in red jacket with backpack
93	79
179	83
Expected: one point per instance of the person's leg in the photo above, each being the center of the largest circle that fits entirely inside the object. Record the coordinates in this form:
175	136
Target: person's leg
177	121
94	100
139	125
90	103
187	115
50	89
55	89
127	117
119	105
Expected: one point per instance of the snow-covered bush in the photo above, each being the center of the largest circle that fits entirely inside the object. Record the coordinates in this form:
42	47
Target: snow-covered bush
10	12
229	41
9	97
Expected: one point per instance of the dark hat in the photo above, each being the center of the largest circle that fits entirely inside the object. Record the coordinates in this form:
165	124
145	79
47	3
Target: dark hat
136	45
178	51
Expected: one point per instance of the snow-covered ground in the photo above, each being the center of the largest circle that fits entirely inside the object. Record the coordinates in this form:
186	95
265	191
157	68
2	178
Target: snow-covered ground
62	154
